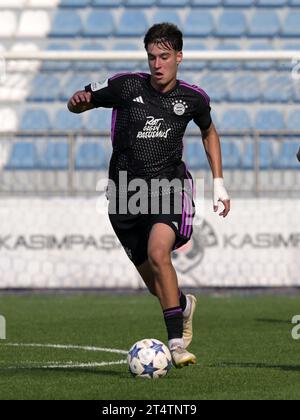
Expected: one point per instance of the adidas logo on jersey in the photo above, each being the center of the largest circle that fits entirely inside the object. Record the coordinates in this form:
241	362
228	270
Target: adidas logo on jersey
139	100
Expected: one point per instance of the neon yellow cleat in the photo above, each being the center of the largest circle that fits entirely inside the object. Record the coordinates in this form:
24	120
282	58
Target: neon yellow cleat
181	357
188	322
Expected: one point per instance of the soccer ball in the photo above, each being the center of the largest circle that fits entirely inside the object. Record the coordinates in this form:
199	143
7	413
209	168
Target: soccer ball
149	358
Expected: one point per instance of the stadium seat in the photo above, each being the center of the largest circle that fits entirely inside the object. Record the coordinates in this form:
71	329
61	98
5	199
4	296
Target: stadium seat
269	120
195	155
226	65
167	16
23	157
90	156
35	120
247	155
286	158
266	155
231	24
198	24
238	3
230	155
271	3
74	3
260	65
66	23
215	86
140	3
244	89
123	66
132	23
294	3
235	120
193	65
278	89
56	156
205	3
72	84
264	24
99	23
44	88
106	3
288	65
8	24
59	66
172	3
65	120
291	26
34	24
8	120
90	65
13	4
293	120
99	119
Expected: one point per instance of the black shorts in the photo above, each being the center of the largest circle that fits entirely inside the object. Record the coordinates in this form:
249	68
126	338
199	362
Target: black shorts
133	230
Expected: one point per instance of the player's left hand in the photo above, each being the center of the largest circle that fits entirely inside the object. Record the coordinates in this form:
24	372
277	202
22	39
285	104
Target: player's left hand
220	194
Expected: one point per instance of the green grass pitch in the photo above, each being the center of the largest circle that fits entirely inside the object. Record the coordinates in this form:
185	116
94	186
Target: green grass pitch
244	347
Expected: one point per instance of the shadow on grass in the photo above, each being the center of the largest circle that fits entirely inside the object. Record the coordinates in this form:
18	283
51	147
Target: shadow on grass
286	368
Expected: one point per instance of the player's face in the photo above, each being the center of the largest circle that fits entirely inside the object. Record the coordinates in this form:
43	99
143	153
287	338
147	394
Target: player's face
163	64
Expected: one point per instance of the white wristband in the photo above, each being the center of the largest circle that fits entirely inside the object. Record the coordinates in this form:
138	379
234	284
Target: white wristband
219	191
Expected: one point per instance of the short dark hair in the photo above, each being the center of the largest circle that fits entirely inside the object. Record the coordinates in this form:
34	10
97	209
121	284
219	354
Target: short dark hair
166	34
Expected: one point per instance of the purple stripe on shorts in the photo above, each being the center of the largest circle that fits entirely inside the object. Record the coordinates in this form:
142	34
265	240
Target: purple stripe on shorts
113	124
196	89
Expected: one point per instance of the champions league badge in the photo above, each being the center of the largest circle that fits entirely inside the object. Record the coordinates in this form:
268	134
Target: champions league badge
179	107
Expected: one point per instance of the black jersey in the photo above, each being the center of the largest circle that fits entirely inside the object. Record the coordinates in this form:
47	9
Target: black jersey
148	126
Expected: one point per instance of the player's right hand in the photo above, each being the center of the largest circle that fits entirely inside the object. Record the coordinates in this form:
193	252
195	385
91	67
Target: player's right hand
81	97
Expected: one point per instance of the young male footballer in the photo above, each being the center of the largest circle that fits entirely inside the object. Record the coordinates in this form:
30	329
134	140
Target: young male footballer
149	119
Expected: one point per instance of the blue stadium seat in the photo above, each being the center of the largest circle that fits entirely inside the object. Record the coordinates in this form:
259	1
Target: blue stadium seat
291	26
56	156
269	120
106	3
195	155
247	156
226	65
35	120
59	66
231	24
172	3
23	157
264	24
140	3
73	84
294	3
66	120
132	23
244	89
74	3
286	158
260	65
266	155
66	23
193	65
198	24
215	86
167	16
288	65
235	120
238	3
230	155
205	3
293	120
271	3
44	88
123	66
278	89
90	65
90	156
99	119
99	23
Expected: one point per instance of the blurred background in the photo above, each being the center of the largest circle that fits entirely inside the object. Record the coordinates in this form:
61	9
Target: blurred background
51	235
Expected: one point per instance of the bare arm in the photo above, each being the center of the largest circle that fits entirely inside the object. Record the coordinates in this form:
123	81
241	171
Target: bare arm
212	146
80	102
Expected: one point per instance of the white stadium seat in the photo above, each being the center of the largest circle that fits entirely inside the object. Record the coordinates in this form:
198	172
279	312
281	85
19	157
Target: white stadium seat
8	24
49	4
23	65
16	4
8	119
34	24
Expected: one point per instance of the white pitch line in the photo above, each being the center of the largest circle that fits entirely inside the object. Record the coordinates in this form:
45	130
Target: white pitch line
83	365
67	346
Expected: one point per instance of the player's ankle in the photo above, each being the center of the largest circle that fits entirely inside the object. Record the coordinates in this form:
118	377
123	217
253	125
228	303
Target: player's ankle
175	342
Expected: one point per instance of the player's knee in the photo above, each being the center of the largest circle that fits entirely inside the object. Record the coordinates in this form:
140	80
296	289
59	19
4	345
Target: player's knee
159	258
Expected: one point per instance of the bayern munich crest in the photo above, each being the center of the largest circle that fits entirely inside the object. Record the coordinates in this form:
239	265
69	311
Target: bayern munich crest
179	107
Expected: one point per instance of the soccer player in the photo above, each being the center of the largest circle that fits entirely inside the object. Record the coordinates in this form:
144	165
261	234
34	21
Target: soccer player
149	119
